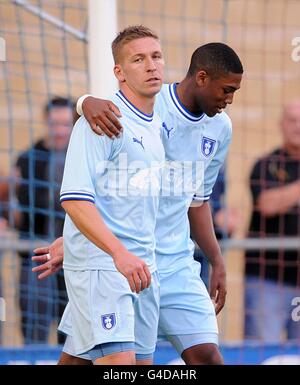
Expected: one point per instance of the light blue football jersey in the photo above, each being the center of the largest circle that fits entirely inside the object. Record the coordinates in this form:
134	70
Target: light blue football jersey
199	144
123	178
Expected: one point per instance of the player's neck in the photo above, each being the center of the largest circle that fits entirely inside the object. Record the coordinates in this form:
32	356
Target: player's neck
143	103
186	96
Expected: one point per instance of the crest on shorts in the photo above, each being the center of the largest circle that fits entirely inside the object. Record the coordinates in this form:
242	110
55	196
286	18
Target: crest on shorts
108	321
207	146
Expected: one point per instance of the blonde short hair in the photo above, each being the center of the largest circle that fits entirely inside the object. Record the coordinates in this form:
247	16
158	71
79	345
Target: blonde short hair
127	35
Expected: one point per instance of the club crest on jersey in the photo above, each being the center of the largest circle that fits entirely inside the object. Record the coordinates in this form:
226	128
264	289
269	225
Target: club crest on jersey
108	321
207	146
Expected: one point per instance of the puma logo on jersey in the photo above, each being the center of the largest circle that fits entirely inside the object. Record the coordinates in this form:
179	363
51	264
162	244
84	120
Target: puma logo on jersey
166	128
135	140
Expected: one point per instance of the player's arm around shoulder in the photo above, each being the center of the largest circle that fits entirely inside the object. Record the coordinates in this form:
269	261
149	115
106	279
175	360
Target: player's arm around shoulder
102	115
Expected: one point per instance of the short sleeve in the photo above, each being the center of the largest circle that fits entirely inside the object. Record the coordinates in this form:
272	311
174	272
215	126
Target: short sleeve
85	151
212	171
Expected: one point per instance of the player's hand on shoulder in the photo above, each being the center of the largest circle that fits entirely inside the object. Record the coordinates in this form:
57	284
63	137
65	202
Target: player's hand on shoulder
134	269
102	116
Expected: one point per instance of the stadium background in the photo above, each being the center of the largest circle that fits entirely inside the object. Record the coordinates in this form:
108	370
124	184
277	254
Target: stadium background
46	55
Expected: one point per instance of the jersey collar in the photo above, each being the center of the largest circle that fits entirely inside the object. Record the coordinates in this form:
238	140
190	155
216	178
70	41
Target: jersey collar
136	111
180	107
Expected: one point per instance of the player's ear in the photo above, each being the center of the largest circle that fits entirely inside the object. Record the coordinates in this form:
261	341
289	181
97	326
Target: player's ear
201	78
119	73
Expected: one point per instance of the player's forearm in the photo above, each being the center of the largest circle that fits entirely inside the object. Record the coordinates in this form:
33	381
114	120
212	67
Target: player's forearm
87	219
279	200
202	230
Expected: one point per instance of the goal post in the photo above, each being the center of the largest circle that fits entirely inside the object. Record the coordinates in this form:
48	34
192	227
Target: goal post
102	16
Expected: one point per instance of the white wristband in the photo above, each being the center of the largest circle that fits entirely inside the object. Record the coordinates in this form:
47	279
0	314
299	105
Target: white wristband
79	104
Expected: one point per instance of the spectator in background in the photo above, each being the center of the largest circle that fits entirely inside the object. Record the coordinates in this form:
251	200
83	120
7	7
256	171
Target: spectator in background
273	276
226	221
40	169
3	228
3	201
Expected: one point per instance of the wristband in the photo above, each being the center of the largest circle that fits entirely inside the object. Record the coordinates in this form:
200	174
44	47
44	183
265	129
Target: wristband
79	104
